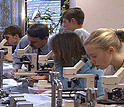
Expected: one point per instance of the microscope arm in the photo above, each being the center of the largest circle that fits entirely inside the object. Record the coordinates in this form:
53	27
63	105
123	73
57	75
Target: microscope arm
9	48
113	81
2	43
44	58
120	73
21	52
71	72
33	69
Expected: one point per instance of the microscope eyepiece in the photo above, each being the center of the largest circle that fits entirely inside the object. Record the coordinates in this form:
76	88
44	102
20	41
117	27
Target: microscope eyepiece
84	60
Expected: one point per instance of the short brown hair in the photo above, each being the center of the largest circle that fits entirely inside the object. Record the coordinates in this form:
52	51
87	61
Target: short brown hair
13	30
75	13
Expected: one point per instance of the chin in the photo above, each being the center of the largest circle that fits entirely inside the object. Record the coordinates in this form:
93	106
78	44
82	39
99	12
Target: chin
102	68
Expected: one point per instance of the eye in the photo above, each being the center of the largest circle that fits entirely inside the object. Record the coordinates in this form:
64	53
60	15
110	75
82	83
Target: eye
94	56
6	37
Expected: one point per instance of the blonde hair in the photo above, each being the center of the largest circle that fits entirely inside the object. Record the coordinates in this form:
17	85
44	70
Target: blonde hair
103	38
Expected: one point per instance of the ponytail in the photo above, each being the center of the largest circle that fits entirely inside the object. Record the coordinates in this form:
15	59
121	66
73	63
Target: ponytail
120	34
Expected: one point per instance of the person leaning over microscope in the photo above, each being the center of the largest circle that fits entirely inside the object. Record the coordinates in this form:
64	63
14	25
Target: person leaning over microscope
13	35
67	51
104	49
38	38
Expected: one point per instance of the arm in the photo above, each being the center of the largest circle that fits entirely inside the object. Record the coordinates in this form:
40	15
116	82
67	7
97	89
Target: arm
59	68
86	69
16	59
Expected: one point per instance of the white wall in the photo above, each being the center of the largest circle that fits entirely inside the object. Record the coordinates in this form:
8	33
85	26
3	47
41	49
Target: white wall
101	13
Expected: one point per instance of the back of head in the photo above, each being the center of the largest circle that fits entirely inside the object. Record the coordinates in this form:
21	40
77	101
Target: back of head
67	47
38	30
104	38
75	13
13	30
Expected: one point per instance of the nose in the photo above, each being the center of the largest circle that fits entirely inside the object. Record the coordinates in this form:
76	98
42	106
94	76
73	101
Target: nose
92	61
30	43
64	26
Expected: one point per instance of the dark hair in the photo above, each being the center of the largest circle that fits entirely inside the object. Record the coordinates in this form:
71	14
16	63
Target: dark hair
75	13
38	30
67	47
120	34
13	30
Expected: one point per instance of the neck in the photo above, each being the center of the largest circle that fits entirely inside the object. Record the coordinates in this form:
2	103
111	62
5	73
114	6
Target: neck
77	27
17	41
117	61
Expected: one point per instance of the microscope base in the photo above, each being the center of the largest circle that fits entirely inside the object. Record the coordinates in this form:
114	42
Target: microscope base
20	75
109	102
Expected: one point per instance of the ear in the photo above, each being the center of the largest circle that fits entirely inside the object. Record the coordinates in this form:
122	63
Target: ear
46	38
16	36
73	20
111	49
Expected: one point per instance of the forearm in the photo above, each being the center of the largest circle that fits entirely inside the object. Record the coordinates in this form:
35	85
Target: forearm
16	60
59	68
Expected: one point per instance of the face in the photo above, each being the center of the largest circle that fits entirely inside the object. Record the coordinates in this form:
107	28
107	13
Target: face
10	39
100	58
67	25
36	42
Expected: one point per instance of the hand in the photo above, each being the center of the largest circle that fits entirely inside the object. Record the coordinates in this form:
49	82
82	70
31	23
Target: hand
14	70
45	69
39	77
52	69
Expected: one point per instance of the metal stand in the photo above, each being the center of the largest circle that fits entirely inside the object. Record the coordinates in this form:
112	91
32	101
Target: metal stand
1	68
56	84
91	96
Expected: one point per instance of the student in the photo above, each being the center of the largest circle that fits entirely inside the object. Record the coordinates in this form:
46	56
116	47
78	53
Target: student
37	36
68	50
104	49
12	34
73	19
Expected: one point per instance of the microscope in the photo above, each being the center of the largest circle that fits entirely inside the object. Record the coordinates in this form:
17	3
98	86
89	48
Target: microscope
44	60
3	93
89	93
115	89
2	46
71	72
33	66
53	79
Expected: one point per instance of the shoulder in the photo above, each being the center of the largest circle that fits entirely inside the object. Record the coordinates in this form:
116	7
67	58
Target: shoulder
81	30
24	38
82	33
109	70
23	42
